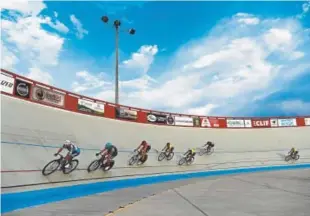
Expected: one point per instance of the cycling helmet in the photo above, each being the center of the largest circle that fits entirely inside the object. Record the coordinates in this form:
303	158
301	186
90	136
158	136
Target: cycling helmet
168	144
67	142
143	142
209	142
108	145
193	150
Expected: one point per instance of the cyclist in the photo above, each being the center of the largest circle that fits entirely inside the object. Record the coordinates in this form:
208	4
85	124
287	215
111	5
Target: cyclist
73	151
293	152
209	144
168	148
109	150
143	148
190	153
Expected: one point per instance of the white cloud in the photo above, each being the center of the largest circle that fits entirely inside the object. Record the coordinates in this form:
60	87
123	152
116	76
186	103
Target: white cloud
247	19
203	110
8	58
277	38
80	31
59	26
24	31
23	6
86	81
295	106
142	59
305	10
41	76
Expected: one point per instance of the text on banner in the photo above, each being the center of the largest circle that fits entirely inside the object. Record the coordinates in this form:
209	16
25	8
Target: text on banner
48	96
235	123
90	107
126	113
291	122
7	84
261	123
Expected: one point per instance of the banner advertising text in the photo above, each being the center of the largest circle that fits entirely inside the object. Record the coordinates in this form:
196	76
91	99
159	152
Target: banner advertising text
307	121
7	84
291	122
235	123
274	122
48	96
90	107
183	121
210	122
248	123
156	118
260	123
126	113
22	88
170	120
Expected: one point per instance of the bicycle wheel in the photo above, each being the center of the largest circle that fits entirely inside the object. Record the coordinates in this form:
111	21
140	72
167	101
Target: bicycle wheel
170	156
133	160
140	162
54	166
161	156
189	162
287	158
297	157
182	161
202	152
210	151
108	167
93	165
74	164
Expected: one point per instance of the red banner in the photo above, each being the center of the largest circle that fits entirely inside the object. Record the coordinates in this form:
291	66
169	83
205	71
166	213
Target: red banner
261	123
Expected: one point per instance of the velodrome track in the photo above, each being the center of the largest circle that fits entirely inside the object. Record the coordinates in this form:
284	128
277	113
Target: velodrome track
31	133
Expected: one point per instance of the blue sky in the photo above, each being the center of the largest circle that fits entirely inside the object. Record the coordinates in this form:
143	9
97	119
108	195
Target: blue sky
207	58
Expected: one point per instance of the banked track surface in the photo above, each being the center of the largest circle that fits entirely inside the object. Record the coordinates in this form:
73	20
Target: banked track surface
279	193
33	132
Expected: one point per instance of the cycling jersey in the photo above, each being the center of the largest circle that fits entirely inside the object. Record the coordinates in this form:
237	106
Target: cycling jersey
72	148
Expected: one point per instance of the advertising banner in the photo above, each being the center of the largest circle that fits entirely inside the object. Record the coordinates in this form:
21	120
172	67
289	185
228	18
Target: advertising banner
235	123
126	113
183	121
196	121
48	96
260	123
90	107
22	89
274	122
156	118
7	84
248	123
210	122
291	122
307	121
170	120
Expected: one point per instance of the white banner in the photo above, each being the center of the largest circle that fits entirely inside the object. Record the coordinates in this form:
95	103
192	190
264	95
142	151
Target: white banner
91	107
205	122
307	121
274	122
7	83
235	123
48	96
183	121
287	122
248	123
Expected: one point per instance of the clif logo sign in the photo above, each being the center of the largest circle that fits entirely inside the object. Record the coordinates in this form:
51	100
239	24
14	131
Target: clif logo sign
261	123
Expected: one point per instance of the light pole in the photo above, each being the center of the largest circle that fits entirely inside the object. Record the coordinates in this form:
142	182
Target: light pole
116	25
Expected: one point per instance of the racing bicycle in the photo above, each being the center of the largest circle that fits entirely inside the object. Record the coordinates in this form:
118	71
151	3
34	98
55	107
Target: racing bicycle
186	159
101	162
209	150
136	158
60	164
165	154
294	157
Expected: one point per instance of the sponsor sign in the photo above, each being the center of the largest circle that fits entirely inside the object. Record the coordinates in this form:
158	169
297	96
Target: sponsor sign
22	88
287	122
210	122
196	121
90	107
170	120
248	123
260	123
307	121
156	118
274	122
125	113
7	84
235	123
183	121
48	96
